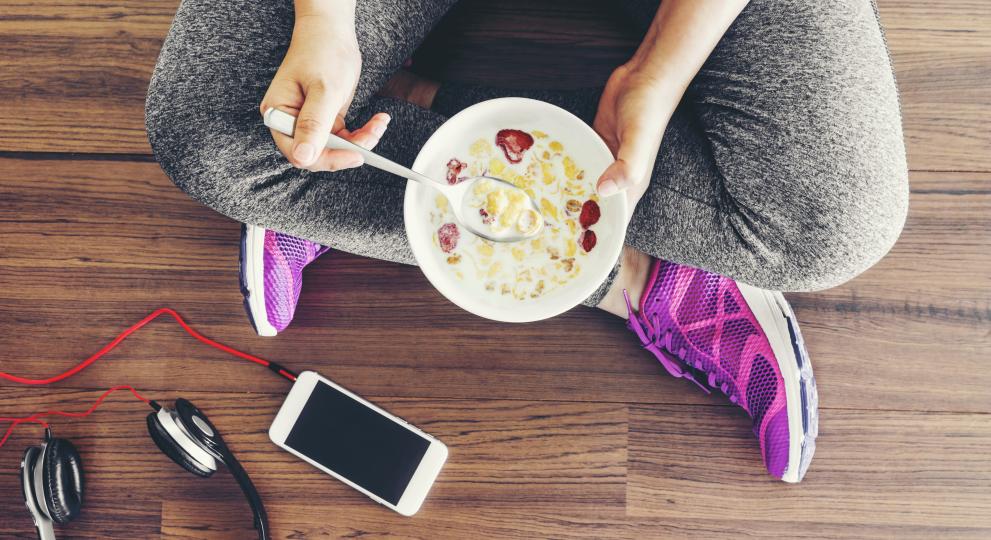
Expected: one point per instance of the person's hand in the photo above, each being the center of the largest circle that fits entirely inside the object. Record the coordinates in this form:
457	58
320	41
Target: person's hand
316	83
633	112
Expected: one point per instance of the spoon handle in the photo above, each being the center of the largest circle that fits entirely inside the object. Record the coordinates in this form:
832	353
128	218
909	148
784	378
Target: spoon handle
285	123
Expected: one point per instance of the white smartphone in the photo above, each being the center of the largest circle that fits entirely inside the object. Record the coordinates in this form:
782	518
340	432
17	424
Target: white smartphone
358	443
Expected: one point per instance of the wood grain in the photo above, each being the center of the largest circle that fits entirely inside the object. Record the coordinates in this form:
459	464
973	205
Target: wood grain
65	68
537	419
120	242
942	60
559	429
883	469
507	457
73	75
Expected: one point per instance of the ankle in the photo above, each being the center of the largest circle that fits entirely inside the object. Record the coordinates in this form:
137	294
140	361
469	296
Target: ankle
632	277
408	86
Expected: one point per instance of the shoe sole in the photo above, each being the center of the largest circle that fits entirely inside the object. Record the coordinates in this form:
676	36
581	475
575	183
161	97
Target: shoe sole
780	326
252	279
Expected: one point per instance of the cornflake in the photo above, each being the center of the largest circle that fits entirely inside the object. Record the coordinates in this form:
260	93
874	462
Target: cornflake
569	212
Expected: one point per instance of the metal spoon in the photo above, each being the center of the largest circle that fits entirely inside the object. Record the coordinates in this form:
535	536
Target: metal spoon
465	213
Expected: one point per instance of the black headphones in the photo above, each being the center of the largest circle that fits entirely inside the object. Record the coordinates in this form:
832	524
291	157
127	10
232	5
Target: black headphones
52	474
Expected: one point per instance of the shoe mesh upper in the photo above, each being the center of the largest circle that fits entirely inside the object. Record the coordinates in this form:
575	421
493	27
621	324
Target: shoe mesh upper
284	259
702	320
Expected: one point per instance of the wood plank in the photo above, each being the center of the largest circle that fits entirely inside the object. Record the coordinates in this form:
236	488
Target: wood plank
921	314
538	469
545	439
518	44
940	51
883	471
94	248
506	457
66	67
187	520
103	517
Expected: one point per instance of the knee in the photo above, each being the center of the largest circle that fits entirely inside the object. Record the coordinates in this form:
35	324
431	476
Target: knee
177	141
201	109
219	156
845	232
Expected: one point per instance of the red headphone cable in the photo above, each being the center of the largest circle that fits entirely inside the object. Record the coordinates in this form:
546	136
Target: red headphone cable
15	421
36	417
278	369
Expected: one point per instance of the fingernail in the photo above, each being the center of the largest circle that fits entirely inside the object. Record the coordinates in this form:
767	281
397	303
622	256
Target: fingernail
356	162
608	187
387	119
304	152
379	129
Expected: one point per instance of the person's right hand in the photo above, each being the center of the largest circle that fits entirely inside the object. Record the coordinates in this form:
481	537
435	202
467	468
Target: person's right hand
316	83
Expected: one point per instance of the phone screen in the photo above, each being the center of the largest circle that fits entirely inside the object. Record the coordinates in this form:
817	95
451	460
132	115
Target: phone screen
356	442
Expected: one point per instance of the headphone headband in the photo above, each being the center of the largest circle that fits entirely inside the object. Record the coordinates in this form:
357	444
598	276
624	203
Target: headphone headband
51	473
207	435
191	429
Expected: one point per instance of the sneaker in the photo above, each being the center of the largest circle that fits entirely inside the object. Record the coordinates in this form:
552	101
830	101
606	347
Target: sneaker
743	341
272	276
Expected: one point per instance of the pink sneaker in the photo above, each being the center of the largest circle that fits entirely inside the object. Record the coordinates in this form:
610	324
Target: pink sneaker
272	276
744	341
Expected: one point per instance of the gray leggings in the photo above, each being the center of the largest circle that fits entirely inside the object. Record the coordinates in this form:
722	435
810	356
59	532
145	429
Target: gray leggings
783	167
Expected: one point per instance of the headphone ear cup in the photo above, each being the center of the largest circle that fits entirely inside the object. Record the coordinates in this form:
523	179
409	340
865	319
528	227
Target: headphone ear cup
172	449
62	479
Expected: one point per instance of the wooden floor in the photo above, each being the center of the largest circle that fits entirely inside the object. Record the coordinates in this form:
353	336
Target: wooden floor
559	429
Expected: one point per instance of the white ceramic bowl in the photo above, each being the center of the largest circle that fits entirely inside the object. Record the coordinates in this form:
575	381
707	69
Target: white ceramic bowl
452	139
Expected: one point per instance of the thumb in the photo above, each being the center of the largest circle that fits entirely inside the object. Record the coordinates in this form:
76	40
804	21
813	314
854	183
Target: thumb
314	123
636	152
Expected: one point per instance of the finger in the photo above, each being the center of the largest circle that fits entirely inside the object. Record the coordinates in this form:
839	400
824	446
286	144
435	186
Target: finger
366	137
283	94
337	160
369	135
636	152
286	97
284	144
329	160
314	123
606	130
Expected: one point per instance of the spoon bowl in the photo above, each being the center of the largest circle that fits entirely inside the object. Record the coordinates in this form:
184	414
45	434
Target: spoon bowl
470	211
459	195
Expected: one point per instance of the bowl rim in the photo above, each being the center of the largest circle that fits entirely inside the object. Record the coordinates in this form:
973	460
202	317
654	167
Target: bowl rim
536	311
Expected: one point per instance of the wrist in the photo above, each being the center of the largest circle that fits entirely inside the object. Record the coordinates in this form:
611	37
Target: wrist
654	80
336	13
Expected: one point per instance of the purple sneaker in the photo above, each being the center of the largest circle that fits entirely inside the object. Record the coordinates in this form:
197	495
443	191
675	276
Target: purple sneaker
743	341
272	276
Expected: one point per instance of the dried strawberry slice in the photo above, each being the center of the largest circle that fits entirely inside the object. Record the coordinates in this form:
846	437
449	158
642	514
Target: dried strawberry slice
454	168
590	214
587	240
448	236
486	218
514	143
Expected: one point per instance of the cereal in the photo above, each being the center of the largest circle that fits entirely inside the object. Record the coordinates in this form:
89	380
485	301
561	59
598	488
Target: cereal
503	208
527	270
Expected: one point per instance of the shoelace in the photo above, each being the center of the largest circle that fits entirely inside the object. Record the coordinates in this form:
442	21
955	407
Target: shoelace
674	362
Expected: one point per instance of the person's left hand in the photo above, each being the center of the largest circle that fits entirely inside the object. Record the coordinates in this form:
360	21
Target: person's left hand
633	112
